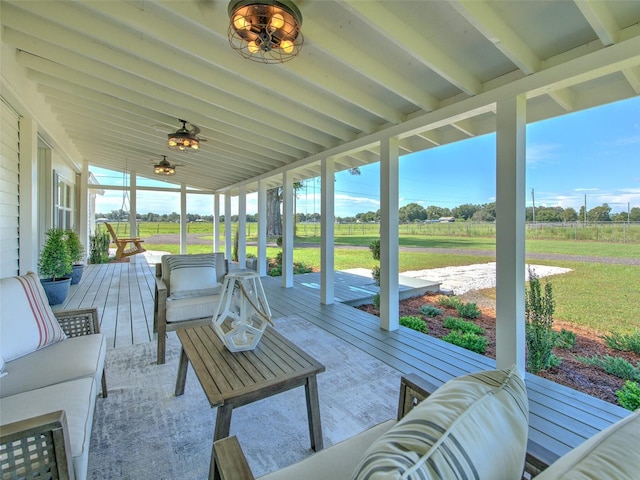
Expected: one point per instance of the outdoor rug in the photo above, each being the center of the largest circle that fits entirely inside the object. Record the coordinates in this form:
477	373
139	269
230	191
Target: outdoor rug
142	431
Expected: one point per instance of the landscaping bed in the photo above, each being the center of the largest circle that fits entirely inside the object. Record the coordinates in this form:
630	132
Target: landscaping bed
571	372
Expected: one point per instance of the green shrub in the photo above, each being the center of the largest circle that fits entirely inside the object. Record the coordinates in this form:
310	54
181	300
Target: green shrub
617	366
470	341
624	341
375	249
540	337
375	273
463	326
376	301
429	310
449	302
55	261
414	323
99	247
565	339
629	396
469	310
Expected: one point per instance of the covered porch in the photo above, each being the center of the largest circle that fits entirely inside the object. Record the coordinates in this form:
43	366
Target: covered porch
560	418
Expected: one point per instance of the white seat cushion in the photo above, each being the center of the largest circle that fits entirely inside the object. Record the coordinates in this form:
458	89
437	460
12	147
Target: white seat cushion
456	433
73	358
76	398
190	308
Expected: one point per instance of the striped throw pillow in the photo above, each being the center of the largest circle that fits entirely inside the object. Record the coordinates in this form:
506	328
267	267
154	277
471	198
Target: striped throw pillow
192	275
27	322
473	427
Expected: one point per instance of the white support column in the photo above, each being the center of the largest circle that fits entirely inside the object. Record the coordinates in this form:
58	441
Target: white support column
287	233
389	261
242	227
216	222
262	228
29	242
133	209
84	208
183	218
228	239
327	219
510	232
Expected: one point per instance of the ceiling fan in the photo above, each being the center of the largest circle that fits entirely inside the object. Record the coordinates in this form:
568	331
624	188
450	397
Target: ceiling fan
164	167
185	139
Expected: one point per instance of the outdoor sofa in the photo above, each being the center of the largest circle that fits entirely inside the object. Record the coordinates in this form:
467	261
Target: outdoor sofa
474	426
52	368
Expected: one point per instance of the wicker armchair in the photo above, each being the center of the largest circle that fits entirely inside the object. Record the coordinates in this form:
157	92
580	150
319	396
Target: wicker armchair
39	447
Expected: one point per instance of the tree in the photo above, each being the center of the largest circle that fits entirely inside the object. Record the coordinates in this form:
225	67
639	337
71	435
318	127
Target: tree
569	215
599	214
634	214
465	211
411	213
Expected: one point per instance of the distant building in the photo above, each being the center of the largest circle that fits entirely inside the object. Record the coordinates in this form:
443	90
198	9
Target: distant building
446	219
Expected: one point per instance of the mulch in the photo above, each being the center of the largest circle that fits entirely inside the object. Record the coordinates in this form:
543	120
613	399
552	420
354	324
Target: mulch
571	372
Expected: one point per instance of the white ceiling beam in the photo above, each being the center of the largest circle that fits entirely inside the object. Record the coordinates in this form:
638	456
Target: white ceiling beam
362	62
633	77
599	16
414	43
565	98
495	29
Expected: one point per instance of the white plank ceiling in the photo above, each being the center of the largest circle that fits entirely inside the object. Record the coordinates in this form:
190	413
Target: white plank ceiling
119	74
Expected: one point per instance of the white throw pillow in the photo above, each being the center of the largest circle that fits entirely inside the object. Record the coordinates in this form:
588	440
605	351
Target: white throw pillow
456	432
193	276
27	322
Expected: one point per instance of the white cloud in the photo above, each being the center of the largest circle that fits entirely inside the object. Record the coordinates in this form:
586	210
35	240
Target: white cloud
541	152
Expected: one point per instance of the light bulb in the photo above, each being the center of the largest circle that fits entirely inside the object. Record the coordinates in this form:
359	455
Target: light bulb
253	47
172	143
286	46
277	21
240	23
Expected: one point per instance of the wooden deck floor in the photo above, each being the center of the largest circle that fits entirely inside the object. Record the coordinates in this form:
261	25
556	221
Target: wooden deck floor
560	418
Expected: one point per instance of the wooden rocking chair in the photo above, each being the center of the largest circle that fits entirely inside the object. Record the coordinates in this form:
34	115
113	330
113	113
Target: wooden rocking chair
121	244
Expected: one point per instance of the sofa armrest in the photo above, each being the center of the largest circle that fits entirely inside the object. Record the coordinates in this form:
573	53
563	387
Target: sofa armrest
413	390
79	322
230	460
37	447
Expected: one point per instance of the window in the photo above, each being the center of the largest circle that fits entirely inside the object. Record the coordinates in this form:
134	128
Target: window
63	210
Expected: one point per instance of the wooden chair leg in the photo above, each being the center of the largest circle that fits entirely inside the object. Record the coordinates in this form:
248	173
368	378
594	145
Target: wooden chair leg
162	344
104	384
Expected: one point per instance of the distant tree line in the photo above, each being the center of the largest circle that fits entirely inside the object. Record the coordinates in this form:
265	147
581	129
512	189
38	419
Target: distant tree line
415	213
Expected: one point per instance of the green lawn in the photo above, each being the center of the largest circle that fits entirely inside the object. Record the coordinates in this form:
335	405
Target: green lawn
599	296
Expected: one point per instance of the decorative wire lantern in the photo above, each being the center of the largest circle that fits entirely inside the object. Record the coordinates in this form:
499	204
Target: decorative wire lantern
266	31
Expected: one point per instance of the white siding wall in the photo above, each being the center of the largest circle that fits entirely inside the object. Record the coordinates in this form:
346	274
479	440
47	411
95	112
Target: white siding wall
9	190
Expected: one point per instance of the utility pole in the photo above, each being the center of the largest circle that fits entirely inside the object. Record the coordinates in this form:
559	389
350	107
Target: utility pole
533	200
585	208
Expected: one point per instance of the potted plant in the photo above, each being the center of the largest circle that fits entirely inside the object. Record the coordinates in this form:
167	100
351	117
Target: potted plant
76	252
55	266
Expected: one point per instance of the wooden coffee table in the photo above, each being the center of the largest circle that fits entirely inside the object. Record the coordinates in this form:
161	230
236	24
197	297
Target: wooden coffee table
230	380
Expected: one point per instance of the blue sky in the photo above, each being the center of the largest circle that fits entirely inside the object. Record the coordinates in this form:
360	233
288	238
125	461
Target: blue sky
595	152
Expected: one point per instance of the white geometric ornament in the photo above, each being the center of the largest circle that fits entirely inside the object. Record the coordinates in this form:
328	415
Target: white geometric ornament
243	313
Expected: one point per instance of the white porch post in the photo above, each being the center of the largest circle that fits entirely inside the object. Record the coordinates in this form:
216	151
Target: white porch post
327	219
389	261
133	209
228	245
262	228
287	233
84	208
510	232
29	243
242	226
183	218
216	222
